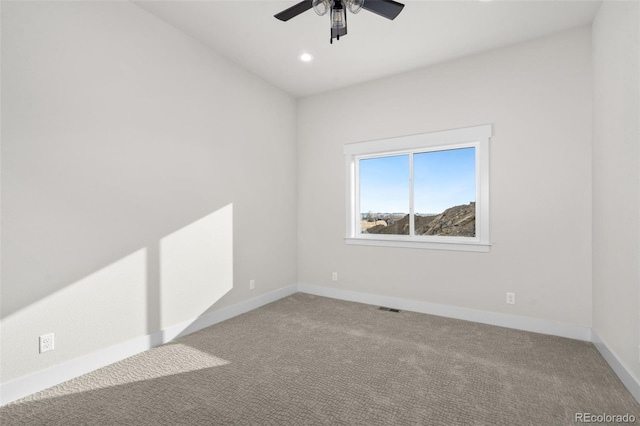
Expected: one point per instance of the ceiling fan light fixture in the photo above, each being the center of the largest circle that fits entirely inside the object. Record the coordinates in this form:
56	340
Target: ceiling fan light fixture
354	6
321	7
337	11
338	17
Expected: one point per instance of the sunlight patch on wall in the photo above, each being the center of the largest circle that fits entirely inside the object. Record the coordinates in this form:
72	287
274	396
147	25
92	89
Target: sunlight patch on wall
196	267
78	314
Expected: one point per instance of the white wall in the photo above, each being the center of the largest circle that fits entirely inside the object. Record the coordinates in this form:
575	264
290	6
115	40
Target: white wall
133	156
145	180
616	180
537	95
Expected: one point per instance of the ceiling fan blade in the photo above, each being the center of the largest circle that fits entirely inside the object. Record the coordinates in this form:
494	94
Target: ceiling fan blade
387	8
294	10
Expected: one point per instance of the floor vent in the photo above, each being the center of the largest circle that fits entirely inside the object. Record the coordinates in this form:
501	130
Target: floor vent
382	308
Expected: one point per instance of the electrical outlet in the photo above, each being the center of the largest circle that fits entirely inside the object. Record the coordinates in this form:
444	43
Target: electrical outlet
46	342
335	276
252	284
511	298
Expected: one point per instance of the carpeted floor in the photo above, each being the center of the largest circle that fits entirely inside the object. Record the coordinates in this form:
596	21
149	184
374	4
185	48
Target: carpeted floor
307	360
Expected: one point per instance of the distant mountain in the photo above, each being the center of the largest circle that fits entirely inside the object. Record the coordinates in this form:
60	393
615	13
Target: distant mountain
458	221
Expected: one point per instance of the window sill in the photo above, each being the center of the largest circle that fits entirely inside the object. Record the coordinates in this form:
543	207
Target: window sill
467	246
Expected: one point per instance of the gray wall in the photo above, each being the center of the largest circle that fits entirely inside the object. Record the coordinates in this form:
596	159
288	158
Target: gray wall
537	95
145	180
616	180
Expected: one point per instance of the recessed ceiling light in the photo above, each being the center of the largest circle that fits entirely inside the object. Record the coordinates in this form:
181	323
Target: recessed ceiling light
306	57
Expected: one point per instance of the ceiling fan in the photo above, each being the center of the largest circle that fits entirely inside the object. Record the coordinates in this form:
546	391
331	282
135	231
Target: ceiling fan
337	8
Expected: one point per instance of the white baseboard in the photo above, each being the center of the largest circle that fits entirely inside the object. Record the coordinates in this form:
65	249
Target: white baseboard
630	381
40	380
188	327
35	382
536	325
554	328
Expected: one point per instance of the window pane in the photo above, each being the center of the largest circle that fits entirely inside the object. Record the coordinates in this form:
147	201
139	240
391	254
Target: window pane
384	195
445	192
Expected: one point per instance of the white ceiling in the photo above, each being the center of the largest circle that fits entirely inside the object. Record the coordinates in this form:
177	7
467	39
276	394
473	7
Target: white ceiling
425	33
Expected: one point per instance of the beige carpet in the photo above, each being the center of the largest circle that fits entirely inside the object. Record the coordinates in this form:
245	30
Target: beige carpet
307	360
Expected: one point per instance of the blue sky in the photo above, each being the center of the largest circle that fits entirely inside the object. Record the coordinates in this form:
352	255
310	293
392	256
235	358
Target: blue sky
443	179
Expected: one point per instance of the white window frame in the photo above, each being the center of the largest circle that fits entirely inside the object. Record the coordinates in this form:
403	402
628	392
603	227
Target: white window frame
476	137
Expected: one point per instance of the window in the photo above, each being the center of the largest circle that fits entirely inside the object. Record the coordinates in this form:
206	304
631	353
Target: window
425	191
